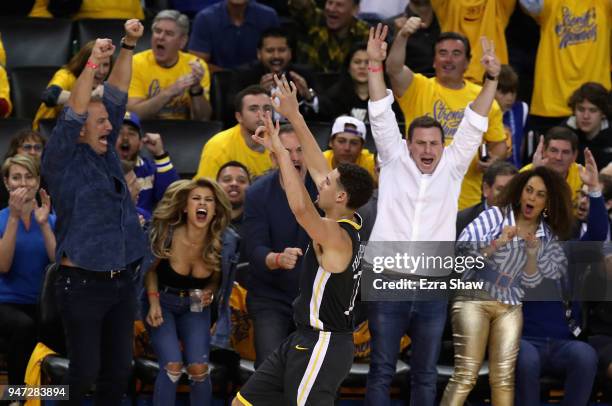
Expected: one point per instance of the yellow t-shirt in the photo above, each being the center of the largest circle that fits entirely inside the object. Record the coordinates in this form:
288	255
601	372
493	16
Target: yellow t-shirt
5	91
574	48
572	179
475	18
148	78
365	160
40	9
2	53
64	79
426	96
229	145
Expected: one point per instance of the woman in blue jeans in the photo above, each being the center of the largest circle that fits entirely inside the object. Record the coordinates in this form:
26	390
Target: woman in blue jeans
186	239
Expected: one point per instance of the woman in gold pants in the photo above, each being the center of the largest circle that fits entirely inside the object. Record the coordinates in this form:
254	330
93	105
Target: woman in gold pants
518	242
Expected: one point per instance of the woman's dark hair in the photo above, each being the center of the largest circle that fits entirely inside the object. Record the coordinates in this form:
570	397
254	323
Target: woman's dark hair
345	75
21	137
78	61
558	198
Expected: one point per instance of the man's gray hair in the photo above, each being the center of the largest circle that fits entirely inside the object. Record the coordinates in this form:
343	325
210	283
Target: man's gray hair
181	20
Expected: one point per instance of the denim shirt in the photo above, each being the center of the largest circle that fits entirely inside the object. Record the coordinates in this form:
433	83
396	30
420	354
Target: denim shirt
229	260
97	225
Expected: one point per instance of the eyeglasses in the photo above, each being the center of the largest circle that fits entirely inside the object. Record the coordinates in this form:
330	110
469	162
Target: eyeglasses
32	147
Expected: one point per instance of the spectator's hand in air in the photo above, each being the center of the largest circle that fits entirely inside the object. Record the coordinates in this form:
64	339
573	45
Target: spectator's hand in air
41	212
133	31
412	25
588	172
284	99
102	49
153	143
489	60
267	135
377	47
538	155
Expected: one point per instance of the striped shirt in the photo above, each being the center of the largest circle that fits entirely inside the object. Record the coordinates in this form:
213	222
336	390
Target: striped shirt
503	274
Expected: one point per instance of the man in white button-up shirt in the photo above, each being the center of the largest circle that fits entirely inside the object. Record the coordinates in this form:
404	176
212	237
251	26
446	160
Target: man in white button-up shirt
419	187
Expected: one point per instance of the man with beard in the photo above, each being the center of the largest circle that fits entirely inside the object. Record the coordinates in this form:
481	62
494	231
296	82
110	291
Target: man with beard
153	177
275	243
234	178
274	57
236	144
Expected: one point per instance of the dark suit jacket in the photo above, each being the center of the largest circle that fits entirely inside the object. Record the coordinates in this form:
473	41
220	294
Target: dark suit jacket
466	216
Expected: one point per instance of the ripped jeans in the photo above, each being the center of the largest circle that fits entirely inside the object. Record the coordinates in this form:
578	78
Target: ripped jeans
191	332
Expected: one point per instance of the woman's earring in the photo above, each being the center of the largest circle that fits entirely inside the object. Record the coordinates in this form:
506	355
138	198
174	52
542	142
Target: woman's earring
545	213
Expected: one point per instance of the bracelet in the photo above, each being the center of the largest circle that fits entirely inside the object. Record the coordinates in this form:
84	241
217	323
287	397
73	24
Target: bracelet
199	92
91	65
375	69
156	294
489	77
277	260
126	46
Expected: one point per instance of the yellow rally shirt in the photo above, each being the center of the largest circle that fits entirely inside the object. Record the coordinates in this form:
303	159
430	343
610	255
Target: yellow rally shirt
428	97
574	48
365	160
64	79
148	79
5	91
229	145
120	9
2	53
475	18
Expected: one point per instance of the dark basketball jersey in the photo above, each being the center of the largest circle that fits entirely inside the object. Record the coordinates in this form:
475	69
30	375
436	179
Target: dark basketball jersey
327	299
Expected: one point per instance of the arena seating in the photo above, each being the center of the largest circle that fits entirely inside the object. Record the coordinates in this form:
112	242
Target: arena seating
27	85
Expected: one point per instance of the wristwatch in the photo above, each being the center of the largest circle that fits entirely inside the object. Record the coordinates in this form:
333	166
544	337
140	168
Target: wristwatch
198	92
489	77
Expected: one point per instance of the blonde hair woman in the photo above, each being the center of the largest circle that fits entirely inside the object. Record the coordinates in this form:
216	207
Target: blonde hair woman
187	240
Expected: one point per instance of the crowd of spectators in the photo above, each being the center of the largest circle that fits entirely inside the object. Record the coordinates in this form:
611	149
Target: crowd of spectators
433	66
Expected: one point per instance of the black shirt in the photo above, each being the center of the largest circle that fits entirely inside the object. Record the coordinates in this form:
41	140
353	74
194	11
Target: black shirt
326	300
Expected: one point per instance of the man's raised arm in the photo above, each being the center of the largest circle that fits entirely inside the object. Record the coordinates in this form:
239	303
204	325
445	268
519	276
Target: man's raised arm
81	92
121	74
400	74
484	101
285	103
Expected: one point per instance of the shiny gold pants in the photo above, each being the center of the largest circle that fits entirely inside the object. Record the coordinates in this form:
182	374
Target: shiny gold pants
476	322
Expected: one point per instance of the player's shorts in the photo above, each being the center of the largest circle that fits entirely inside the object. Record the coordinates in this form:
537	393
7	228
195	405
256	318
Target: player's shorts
307	369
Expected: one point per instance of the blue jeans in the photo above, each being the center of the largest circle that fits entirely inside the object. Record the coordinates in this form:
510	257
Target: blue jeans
272	324
193	331
388	321
574	359
98	317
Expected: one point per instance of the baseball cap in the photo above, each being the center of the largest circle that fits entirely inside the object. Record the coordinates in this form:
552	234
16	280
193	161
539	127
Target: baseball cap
132	119
340	126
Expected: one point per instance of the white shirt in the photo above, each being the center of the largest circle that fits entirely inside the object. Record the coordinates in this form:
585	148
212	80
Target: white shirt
385	9
413	206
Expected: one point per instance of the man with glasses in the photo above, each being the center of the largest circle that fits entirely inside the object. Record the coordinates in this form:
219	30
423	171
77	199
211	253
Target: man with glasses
236	144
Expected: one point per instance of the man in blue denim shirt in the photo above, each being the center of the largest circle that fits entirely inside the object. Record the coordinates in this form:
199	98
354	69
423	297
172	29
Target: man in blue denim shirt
99	237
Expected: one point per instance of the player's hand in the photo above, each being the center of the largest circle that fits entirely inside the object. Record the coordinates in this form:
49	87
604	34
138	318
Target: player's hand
153	143
284	98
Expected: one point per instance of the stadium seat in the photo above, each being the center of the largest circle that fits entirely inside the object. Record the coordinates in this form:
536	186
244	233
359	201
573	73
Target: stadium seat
8	128
183	139
321	131
325	80
222	92
46	126
36	41
27	85
87	30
